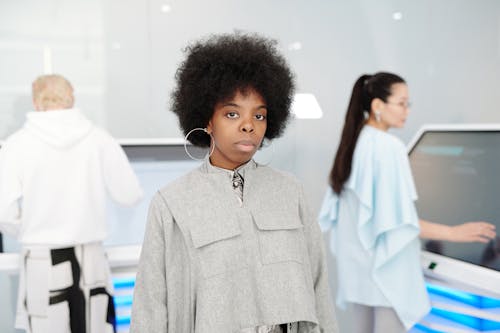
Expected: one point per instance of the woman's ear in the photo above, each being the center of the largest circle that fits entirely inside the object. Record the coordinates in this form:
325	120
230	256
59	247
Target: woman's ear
209	128
377	104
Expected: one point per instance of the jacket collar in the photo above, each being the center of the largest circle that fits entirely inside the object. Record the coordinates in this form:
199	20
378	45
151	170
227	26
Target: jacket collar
242	169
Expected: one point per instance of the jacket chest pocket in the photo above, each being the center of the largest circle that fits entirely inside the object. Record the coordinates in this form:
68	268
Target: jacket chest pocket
281	239
220	248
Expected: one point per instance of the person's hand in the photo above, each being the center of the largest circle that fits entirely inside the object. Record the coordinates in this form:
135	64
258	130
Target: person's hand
481	232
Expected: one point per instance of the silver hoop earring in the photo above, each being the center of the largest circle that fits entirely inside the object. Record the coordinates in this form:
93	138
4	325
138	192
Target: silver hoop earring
376	113
272	153
186	140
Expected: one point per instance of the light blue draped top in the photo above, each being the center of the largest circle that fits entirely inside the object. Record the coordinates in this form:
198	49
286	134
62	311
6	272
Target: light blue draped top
374	230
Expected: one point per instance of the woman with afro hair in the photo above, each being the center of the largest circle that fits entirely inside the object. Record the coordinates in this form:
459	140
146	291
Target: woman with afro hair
231	247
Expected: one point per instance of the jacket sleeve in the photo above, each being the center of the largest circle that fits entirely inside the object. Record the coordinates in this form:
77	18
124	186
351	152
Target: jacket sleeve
317	256
121	182
10	192
149	307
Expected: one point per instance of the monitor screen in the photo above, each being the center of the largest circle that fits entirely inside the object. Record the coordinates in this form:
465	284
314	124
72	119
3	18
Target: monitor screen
456	175
155	166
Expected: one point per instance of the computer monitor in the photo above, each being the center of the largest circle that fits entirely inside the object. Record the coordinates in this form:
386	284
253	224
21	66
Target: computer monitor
156	163
455	169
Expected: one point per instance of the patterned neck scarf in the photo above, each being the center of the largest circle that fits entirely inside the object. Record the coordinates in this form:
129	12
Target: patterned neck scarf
238	183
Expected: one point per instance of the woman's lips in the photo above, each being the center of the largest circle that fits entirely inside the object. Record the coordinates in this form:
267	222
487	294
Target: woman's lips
245	145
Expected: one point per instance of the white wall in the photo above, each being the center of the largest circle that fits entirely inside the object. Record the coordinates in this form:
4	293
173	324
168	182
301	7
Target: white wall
121	56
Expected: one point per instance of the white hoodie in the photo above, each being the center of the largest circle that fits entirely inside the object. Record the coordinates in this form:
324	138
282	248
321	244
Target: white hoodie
55	173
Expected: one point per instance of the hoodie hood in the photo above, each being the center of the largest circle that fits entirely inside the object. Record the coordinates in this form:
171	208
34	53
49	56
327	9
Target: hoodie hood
58	128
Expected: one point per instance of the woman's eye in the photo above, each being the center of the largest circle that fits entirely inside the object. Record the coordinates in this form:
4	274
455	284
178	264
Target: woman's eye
232	115
260	117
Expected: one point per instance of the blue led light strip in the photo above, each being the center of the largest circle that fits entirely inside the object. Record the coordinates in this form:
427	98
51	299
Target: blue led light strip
123	301
122	320
467	320
477	301
426	329
120	283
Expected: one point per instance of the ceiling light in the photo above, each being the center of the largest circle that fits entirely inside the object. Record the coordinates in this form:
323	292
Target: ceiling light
397	16
306	106
165	8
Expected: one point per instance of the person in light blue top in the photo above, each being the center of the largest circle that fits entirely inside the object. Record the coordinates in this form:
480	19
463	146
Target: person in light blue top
369	206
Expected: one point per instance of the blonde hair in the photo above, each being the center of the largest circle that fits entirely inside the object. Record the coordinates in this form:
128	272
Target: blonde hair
52	92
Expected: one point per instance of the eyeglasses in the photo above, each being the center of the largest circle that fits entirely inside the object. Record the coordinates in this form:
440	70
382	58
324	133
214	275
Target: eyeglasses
404	105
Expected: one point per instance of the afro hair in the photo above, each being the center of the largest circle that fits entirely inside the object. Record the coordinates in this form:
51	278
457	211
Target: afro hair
218	67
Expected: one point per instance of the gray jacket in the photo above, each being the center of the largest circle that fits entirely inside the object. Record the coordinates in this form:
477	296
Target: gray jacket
208	265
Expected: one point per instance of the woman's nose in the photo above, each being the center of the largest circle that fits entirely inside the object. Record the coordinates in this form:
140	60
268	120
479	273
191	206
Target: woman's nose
247	126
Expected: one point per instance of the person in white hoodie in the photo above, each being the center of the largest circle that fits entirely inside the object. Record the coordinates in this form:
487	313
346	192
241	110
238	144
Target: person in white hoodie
55	175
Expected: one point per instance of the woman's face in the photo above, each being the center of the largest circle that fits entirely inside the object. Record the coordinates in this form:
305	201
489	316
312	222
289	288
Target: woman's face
394	112
237	127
